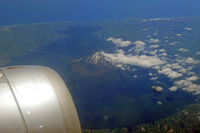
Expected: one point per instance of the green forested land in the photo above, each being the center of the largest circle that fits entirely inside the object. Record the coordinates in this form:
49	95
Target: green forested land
185	121
17	40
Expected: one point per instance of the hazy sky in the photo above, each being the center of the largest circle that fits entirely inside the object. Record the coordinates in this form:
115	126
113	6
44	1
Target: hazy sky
29	11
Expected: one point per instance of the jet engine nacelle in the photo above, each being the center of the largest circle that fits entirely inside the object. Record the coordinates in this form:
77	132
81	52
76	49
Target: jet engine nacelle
34	99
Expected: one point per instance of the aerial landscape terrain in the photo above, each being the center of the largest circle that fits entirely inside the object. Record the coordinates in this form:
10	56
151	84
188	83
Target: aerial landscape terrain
128	75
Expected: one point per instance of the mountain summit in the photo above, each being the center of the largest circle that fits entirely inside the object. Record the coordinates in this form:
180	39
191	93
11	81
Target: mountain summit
97	58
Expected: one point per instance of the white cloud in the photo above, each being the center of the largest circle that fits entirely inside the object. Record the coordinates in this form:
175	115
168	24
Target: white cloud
178	67
182	83
177	55
194	88
144	20
192	78
156	67
175	66
154	19
175	69
170	73
157	88
191	73
148	36
188	86
190	68
164	54
198	53
152	40
183	50
142	61
173	88
158	19
135	76
153	52
159	103
187	28
187	61
120	66
154	46
139	45
150	74
153	78
190	60
179	35
119	42
162	50
182	70
173	43
120	51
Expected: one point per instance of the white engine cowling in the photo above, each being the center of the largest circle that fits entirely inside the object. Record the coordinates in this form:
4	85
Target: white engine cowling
34	99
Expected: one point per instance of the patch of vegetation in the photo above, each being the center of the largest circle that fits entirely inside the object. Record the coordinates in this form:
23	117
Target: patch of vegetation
185	121
18	40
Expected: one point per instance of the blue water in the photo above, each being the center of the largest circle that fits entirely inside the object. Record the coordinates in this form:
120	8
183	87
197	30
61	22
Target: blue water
36	11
